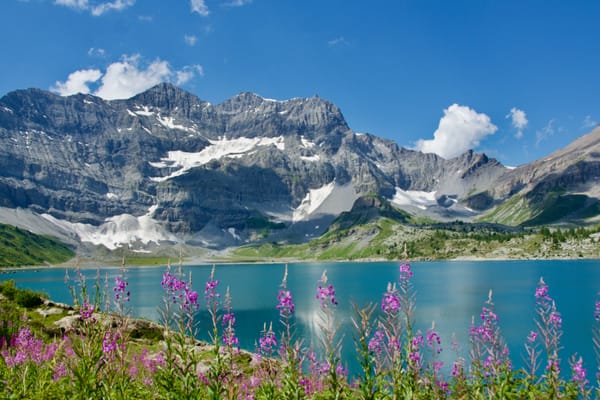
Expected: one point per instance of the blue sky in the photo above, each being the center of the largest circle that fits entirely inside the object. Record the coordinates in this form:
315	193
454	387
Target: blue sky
514	79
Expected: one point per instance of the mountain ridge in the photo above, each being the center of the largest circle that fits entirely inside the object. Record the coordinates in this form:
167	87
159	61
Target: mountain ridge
175	168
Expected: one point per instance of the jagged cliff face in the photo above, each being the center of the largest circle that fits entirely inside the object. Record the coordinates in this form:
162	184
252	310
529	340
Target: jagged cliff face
165	165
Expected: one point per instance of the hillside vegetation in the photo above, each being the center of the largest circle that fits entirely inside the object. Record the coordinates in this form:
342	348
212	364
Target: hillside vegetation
19	247
385	238
547	208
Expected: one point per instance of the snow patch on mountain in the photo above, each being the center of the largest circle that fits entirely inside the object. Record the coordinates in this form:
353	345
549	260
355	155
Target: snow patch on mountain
168	122
144	111
215	151
311	202
416	198
233	233
307	143
118	230
314	158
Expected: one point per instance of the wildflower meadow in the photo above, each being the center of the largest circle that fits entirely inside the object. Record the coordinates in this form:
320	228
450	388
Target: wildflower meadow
98	356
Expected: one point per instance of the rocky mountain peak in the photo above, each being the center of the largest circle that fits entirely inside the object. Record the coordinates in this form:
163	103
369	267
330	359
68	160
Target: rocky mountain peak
164	162
167	96
243	102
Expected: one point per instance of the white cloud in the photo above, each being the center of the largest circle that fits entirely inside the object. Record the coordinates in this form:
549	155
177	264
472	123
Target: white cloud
545	133
75	4
519	121
125	78
588	122
198	6
96	52
188	73
237	3
95	8
339	41
460	129
190	40
77	82
117	5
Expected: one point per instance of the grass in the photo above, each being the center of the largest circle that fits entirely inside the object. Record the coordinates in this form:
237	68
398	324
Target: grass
145	261
552	207
556	207
19	247
512	212
385	238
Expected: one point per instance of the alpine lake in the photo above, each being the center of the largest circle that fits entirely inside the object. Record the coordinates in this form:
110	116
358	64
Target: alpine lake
448	293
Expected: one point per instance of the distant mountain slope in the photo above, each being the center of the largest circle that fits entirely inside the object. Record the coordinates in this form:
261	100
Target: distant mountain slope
166	167
565	186
19	247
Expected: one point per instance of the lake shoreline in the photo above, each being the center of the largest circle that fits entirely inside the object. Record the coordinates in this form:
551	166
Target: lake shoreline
193	261
449	292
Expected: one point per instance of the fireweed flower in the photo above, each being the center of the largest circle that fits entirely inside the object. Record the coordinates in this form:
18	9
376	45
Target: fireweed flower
173	286
405	272
485	332
109	344
60	370
228	323
531	338
556	319
228	318
579	373
285	303
27	348
325	294
308	385
230	340
390	302
192	297
553	366
210	290
486	341
377	341
179	291
86	312
171	283
434	341
120	289
268	341
541	293
340	370
414	356
458	367
549	323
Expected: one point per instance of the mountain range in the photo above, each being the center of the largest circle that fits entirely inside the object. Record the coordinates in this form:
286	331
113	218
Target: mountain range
165	167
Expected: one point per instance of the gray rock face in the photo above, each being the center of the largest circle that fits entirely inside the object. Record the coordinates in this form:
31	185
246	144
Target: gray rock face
169	158
574	168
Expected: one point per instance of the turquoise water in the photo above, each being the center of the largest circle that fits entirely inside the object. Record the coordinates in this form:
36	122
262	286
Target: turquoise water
449	293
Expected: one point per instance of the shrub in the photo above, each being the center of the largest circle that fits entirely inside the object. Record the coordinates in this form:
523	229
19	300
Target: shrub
8	289
28	298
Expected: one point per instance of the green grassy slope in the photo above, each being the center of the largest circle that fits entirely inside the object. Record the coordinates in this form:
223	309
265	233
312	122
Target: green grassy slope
548	208
384	238
20	247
